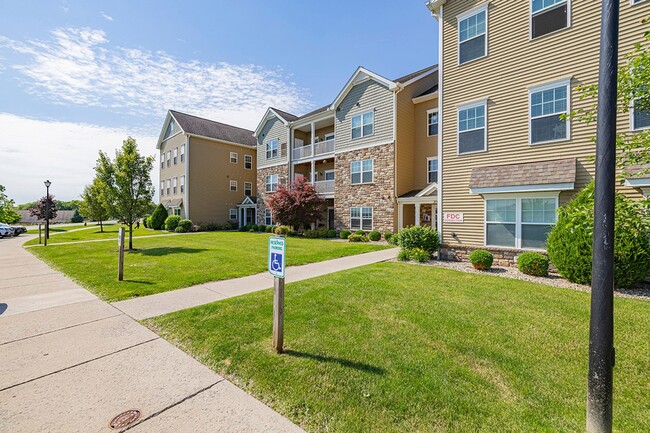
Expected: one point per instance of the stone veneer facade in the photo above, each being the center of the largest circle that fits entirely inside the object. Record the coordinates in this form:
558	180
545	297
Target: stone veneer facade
502	256
283	174
378	194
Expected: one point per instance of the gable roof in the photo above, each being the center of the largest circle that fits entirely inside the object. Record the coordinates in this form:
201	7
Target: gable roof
536	175
359	75
284	117
195	125
409	77
316	111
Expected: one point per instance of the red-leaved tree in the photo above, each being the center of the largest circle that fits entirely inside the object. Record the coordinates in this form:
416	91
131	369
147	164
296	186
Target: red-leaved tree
298	205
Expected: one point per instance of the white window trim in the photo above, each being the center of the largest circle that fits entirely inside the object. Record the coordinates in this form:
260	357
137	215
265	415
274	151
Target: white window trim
277	149
182	152
548	8
332	171
372	172
432	110
633	127
372	217
332	135
517	197
541	88
361	115
430	158
182	184
231	215
460	108
251	158
175	155
470	13
250	189
268	211
267	183
233	183
633	3
235	156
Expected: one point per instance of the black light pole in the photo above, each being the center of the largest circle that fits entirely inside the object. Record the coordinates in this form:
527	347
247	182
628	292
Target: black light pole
601	323
47	210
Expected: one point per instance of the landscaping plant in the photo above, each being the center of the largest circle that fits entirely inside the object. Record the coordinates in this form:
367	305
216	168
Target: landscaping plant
180	229
185	224
404	255
345	234
261	228
298	204
171	222
158	217
76	217
419	255
282	230
360	232
358	238
331	234
8	214
387	236
531	263
425	238
569	244
481	259
374	236
93	203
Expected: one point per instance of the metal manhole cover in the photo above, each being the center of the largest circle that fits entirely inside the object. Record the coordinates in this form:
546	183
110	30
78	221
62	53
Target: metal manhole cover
125	419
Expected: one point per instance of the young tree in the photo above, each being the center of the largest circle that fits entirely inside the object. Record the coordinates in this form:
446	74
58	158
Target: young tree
297	205
40	211
8	214
129	189
93	204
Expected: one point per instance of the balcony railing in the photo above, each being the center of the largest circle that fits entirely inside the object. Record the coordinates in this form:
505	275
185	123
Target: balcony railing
324	186
311	150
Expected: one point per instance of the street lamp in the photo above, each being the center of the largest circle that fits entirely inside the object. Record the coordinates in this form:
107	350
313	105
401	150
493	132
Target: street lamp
47	210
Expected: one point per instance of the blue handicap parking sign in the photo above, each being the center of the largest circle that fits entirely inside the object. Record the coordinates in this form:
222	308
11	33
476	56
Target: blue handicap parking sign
277	248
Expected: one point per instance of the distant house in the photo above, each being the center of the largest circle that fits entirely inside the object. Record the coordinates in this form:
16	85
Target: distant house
62	216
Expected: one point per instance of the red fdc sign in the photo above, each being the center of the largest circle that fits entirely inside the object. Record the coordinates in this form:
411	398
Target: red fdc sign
454	217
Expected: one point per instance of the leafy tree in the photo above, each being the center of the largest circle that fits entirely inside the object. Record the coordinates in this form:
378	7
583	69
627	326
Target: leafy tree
68	205
298	205
8	214
40	210
129	189
76	217
93	204
158	217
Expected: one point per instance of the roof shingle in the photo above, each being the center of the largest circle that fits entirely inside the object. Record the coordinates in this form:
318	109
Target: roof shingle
532	173
217	130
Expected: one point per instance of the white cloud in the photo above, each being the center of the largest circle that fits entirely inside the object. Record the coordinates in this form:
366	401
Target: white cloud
65	153
81	67
106	16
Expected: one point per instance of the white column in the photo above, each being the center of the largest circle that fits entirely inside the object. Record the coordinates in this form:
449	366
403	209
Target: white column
313	170
239	212
313	136
433	216
417	214
400	216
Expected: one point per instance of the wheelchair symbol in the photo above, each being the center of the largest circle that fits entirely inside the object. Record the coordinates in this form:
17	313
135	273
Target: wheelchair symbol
276	262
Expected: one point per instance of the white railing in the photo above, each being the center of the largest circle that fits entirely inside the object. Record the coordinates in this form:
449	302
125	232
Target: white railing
311	150
324	186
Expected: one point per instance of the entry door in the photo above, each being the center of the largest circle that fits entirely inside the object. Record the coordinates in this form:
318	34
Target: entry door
330	218
250	215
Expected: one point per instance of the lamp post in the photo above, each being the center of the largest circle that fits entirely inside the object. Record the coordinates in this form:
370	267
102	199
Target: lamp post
47	210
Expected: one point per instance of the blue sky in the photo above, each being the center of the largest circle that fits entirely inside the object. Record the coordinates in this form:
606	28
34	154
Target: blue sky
76	77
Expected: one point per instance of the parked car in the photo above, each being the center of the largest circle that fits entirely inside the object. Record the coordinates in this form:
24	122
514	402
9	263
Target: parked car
6	231
19	230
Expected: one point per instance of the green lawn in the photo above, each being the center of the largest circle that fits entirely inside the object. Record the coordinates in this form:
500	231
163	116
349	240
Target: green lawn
94	233
167	263
395	347
54	228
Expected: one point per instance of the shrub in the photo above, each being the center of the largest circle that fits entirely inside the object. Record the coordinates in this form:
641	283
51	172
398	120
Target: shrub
387	236
180	229
254	227
145	222
186	225
158	217
310	234
293	234
393	239
245	228
345	234
419	255
403	256
262	228
331	234
269	229
282	230
358	238
172	222
533	264
569	244
425	238
374	235
76	217
481	259
360	232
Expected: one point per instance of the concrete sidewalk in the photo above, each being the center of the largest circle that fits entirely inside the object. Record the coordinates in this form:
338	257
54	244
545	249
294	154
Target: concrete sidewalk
70	363
176	300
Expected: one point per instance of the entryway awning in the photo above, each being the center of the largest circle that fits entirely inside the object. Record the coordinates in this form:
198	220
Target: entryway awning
177	202
639	178
556	175
248	202
425	195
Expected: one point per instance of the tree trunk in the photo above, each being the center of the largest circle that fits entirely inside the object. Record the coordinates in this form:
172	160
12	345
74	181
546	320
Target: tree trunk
130	236
101	226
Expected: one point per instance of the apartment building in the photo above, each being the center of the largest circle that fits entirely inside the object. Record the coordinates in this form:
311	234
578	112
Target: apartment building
509	71
371	153
207	170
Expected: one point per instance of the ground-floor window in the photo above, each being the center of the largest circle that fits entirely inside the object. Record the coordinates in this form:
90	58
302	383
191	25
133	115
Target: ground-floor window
233	214
177	211
268	217
361	218
519	222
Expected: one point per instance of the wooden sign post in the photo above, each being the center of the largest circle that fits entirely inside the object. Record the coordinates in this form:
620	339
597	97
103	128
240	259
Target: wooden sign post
39	234
277	260
120	262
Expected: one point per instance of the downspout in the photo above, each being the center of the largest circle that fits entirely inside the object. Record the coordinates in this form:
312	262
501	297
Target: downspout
398	89
187	176
440	125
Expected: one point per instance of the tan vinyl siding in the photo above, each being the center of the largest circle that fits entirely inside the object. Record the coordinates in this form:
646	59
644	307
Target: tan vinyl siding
320	133
514	63
178	170
371	96
425	146
274	129
210	173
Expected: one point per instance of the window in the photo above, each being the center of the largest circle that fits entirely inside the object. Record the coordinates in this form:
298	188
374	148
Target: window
361	171
248	188
248	162
361	218
162	160
329	174
432	123
233	185
272	149
162	187
329	137
272	183
363	125
177	211
169	183
472	36
471	129
175	155
519	222
169	158
432	170
233	157
640	118
547	105
170	130
233	214
175	185
548	16
182	152
268	217
182	184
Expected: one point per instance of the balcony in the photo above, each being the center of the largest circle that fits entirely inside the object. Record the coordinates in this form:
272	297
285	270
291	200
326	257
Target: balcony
324	187
313	150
